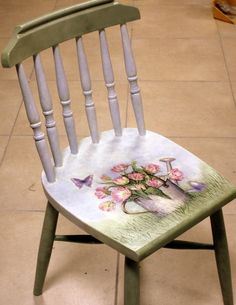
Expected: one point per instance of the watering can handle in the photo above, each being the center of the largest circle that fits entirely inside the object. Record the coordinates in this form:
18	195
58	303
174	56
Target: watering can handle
124	209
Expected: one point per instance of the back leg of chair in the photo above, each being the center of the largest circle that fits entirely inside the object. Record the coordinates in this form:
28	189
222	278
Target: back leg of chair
131	287
45	247
222	256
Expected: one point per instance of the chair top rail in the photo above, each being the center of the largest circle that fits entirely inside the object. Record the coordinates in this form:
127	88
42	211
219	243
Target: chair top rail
49	30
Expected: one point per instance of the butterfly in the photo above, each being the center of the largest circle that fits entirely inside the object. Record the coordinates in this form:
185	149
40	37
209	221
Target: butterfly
81	182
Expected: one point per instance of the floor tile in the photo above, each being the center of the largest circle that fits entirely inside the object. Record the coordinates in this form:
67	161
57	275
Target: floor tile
167	276
3	144
10	97
74	271
202	109
65	3
177	21
21	171
176	280
218	153
233	85
226	30
180	59
229	46
77	98
10	5
10	17
157	3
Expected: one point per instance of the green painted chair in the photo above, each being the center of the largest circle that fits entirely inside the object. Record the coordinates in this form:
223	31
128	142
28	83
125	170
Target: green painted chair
129	188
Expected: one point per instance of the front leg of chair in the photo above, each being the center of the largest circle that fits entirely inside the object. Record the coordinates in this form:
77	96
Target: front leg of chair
131	289
222	256
45	247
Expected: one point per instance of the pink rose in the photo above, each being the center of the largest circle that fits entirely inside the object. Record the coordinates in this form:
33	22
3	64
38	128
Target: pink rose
136	176
152	168
176	174
121	180
107	206
101	192
154	183
120	167
120	194
137	187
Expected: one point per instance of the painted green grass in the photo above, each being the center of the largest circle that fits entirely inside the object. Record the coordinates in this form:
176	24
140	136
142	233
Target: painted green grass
135	231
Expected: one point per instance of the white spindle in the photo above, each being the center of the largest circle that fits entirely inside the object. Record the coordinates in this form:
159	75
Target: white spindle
64	95
110	84
86	87
46	104
35	124
133	79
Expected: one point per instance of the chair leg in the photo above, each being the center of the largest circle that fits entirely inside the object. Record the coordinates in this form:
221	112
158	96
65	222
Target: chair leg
131	289
45	247
222	256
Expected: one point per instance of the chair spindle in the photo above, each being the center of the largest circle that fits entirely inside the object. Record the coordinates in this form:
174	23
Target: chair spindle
34	119
110	84
64	95
46	104
131	72
86	87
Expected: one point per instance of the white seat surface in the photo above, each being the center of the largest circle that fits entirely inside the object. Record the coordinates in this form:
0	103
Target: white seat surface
136	193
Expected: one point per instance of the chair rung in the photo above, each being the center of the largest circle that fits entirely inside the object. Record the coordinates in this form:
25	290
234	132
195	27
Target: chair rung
83	239
182	244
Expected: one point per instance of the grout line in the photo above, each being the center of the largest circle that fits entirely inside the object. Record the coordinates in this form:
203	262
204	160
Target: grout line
197	137
10	135
5	149
22	210
226	63
175	38
31	74
6	37
182	81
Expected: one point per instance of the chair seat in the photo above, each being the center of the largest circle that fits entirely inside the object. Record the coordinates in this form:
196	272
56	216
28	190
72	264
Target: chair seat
136	193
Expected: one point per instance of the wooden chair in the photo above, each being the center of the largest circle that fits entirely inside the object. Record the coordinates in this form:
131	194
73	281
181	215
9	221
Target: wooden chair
129	188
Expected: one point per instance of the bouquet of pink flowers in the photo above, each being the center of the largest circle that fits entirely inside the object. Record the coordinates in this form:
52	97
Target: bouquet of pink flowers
132	182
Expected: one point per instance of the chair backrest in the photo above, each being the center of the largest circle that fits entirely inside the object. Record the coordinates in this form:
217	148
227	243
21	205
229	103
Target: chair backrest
49	31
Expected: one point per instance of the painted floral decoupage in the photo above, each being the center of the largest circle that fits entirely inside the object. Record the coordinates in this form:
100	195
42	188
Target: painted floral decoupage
145	185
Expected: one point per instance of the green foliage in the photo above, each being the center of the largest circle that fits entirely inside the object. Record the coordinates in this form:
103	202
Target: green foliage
155	191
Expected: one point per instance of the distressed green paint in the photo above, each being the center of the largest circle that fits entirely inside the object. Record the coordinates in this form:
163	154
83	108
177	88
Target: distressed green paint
42	33
131	283
222	256
45	247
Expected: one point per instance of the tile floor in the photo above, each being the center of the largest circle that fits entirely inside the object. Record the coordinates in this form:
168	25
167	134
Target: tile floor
187	70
